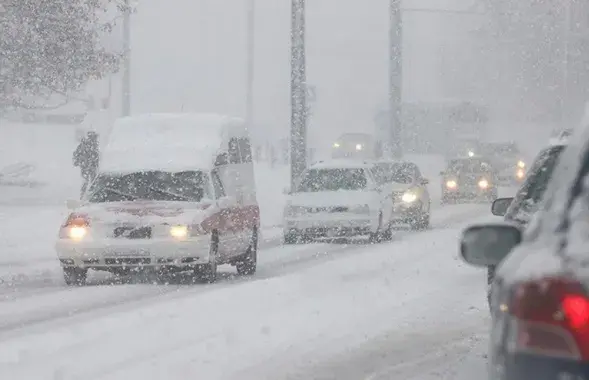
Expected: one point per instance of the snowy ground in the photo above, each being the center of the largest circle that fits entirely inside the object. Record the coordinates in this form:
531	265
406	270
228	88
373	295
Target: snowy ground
347	311
407	309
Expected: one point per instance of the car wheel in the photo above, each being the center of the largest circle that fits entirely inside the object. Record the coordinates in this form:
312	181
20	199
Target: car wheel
421	222
247	264
293	238
376	237
387	234
75	276
207	273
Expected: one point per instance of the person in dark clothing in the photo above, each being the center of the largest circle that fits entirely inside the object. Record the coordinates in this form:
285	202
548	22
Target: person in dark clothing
87	158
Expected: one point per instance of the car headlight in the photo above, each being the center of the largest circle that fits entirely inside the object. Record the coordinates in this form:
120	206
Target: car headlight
76	227
520	174
179	232
361	209
359	146
471	154
295	210
483	183
409	197
451	184
77	232
336	145
521	164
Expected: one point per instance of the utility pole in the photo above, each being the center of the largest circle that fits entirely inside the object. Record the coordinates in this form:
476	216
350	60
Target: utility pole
565	62
250	62
298	93
395	148
126	86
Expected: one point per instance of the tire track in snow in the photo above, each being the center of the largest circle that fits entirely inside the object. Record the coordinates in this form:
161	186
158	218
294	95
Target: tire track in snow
278	263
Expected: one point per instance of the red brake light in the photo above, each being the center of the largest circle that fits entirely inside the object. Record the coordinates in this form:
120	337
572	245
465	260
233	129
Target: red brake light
576	309
551	317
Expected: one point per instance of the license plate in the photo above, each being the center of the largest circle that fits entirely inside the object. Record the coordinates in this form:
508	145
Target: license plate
128	252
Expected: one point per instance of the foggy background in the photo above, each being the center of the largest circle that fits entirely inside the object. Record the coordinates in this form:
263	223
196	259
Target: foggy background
190	55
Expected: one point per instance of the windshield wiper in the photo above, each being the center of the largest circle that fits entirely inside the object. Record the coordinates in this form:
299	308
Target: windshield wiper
128	196
183	197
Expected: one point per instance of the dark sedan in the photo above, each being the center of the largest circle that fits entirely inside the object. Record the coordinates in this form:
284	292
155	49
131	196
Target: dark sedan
540	292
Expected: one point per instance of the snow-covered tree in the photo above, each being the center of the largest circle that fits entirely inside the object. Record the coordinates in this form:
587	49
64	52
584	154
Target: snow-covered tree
49	48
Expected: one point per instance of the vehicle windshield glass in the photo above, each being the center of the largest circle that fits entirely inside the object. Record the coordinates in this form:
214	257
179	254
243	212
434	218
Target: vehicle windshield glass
503	149
316	180
191	186
402	173
531	193
468	166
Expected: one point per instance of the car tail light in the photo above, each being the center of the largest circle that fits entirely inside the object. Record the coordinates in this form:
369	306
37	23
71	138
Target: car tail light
551	317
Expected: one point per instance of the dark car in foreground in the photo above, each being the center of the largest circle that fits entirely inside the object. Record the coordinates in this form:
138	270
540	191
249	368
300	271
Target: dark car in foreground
523	206
540	293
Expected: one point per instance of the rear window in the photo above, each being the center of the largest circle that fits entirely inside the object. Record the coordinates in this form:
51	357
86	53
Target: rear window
316	180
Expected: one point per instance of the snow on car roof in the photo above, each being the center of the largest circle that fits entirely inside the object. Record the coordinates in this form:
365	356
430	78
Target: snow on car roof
171	142
342	164
561	139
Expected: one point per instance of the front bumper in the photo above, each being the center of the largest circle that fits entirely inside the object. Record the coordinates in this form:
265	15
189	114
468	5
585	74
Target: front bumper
330	226
133	253
406	213
468	192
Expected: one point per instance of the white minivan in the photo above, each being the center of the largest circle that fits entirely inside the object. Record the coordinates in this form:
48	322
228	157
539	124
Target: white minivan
337	198
175	192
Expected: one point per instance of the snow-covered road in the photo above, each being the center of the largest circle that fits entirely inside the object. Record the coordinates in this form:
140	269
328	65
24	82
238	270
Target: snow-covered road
328	311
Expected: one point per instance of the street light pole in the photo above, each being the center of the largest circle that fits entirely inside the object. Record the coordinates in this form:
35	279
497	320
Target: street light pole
126	86
395	148
298	93
565	61
250	62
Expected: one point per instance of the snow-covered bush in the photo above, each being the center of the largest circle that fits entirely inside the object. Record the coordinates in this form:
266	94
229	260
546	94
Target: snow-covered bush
49	48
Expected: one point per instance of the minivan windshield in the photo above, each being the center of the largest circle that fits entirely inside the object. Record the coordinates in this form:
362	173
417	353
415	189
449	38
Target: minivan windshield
189	186
316	180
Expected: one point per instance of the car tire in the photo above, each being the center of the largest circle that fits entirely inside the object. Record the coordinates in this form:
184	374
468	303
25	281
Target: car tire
422	222
292	238
74	276
247	264
387	234
377	237
207	273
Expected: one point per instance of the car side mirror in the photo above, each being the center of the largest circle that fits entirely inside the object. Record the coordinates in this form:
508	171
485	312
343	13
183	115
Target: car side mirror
488	244
73	204
424	181
500	206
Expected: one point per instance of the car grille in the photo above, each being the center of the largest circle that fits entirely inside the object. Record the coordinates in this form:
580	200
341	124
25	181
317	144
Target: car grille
313	210
128	261
398	194
132	232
